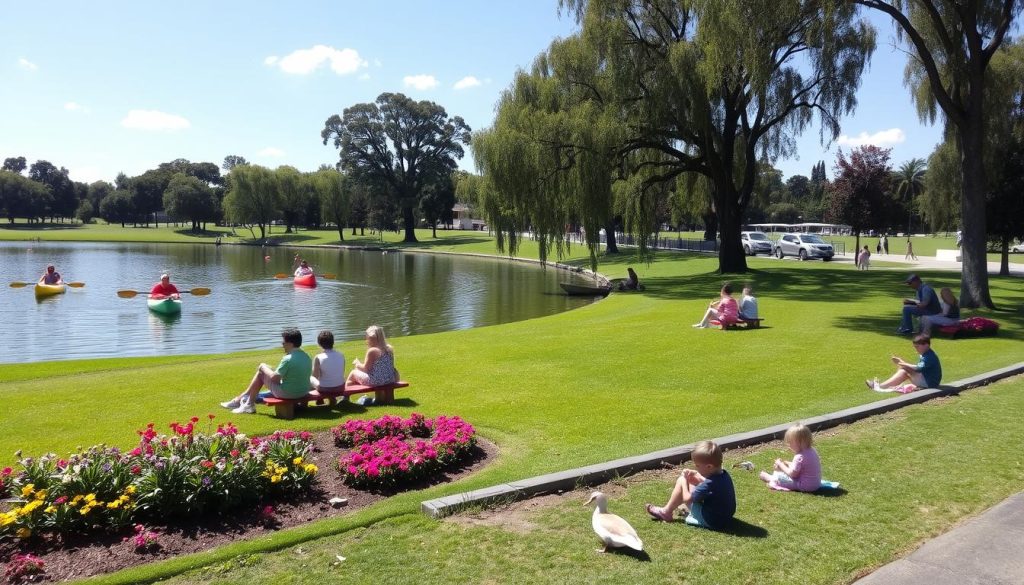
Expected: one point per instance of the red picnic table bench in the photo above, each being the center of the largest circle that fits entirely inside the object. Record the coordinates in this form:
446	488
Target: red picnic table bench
285	407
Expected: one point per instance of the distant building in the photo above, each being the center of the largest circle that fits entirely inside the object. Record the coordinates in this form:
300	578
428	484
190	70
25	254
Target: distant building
462	218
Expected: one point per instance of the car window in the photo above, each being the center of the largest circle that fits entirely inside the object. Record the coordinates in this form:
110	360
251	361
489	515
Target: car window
788	238
812	239
761	237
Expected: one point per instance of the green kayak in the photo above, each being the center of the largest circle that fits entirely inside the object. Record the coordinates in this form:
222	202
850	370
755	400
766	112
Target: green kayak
164	306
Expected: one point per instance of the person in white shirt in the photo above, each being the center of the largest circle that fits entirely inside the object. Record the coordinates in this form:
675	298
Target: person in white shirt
328	366
748	305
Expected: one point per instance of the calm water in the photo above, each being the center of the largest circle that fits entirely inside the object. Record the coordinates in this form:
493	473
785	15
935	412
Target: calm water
404	292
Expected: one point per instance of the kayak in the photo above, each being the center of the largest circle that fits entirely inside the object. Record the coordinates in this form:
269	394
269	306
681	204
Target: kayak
48	290
308	280
164	306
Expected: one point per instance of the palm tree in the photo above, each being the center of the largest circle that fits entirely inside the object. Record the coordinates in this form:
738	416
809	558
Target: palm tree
911	180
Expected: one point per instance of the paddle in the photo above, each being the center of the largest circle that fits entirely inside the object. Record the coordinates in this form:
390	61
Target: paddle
328	276
19	284
127	294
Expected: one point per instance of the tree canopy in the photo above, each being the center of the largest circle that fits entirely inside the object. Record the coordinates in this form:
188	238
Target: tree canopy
397	146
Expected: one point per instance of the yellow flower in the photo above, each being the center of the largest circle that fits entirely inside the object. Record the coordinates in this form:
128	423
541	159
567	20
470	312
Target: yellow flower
30	507
114	505
275	479
76	499
310	468
130	490
50	509
23	533
27	490
85	510
41	495
297	461
8	518
90	497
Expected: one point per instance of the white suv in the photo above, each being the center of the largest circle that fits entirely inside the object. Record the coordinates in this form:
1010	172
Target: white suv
755	243
805	246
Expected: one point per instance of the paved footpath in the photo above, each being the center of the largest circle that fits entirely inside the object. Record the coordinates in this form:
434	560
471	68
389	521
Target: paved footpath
930	263
986	550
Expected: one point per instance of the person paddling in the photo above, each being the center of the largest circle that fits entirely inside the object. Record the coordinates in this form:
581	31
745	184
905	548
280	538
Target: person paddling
51	276
164	289
303	269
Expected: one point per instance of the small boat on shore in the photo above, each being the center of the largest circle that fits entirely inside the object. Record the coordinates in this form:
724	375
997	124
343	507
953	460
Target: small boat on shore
585	290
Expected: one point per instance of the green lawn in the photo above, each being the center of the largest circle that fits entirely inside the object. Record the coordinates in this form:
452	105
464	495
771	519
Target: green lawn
620	377
901	483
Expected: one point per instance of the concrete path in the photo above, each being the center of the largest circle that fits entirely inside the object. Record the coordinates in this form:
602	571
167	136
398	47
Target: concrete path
986	550
928	263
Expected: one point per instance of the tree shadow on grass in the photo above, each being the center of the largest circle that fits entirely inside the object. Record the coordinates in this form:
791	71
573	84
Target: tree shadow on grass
340	410
188	233
40	226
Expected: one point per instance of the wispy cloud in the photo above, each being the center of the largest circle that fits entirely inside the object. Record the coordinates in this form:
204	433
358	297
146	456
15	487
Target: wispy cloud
154	120
306	61
75	107
420	82
880	138
86	174
271	152
467	82
26	64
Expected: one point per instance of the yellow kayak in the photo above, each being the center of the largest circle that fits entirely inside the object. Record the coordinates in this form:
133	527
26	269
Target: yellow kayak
48	290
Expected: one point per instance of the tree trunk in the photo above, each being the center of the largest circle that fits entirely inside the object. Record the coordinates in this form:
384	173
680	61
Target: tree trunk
410	224
710	226
611	247
263	233
731	258
1004	255
341	233
974	290
433	227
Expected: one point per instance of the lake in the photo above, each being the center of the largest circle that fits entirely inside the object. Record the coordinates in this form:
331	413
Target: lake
406	293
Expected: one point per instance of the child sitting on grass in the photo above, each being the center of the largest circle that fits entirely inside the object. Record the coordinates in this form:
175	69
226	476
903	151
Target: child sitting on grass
707	493
724	309
748	304
803	473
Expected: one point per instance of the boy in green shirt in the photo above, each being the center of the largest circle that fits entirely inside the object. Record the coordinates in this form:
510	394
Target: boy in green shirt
289	380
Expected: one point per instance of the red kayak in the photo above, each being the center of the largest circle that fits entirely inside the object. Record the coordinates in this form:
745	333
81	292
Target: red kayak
308	280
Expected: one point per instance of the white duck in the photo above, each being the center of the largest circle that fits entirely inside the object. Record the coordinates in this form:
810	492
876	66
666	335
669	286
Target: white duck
611	529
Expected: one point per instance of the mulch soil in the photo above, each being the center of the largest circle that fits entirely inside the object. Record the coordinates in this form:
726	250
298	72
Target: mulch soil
77	556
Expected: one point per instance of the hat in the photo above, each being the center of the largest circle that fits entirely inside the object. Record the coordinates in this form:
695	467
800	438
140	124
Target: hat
911	279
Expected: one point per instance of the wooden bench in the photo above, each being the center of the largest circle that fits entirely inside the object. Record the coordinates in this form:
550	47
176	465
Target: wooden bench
285	407
748	323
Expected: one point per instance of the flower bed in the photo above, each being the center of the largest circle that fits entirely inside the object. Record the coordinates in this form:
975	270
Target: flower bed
391	452
182	474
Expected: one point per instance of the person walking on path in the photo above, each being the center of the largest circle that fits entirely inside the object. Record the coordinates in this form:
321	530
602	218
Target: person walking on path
885	244
910	250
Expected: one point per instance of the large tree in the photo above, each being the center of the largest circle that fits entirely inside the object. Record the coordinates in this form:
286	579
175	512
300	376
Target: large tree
910	183
333	192
233	160
292	196
858	193
252	197
437	201
189	199
952	43
398	146
63	200
15	164
710	87
118	207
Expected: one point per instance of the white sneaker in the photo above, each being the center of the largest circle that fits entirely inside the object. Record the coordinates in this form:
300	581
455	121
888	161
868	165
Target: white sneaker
245	408
699	326
233	403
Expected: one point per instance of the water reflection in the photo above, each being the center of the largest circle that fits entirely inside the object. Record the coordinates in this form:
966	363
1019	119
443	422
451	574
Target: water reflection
406	293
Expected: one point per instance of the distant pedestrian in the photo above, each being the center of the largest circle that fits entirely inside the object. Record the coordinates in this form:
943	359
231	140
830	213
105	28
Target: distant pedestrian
910	251
864	258
878	246
885	244
959	238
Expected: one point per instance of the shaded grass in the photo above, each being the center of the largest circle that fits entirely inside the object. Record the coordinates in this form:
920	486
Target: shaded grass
904	476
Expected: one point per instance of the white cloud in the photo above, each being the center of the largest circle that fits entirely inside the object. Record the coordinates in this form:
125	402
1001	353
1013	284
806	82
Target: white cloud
75	107
86	174
880	138
154	120
306	61
364	76
26	64
271	152
467	82
420	82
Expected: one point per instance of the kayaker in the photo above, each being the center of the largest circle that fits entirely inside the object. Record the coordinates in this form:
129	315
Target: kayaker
164	289
51	276
303	269
289	380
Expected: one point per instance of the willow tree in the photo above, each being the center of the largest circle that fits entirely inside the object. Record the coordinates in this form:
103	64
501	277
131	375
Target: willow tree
711	86
252	197
332	189
548	161
952	43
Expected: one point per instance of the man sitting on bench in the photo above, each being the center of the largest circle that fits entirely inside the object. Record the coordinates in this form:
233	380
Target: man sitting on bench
289	380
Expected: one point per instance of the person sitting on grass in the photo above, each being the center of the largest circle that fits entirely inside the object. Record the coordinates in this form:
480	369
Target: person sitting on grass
950	314
632	282
803	473
724	309
328	366
706	493
289	380
926	302
378	367
926	373
51	276
748	304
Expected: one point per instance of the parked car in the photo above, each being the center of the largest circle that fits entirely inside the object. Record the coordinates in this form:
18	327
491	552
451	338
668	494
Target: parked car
1018	249
755	243
805	246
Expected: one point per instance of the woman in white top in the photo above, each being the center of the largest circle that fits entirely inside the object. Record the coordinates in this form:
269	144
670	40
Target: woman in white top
328	366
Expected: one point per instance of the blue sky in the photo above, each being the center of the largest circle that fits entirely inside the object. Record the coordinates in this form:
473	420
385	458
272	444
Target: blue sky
104	87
